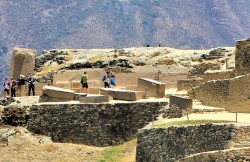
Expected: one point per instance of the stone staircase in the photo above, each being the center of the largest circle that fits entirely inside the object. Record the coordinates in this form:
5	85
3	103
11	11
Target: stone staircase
199	107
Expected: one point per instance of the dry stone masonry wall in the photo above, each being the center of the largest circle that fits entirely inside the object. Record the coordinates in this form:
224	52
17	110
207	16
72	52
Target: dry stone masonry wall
92	124
242	57
173	143
217	156
187	84
223	93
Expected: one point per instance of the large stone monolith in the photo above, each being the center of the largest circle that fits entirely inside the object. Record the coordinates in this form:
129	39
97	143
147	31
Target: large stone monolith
22	62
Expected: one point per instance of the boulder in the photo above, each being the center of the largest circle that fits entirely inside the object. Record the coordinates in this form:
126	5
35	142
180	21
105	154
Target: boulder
152	88
121	94
181	101
55	92
22	62
95	98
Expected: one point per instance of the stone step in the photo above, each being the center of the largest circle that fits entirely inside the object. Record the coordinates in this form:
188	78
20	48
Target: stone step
202	108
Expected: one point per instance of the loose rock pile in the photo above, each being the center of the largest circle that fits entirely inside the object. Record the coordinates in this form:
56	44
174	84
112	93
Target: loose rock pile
6	101
15	115
173	112
52	56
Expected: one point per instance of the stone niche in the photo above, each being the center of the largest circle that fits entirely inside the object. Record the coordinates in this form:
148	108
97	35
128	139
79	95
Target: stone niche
22	62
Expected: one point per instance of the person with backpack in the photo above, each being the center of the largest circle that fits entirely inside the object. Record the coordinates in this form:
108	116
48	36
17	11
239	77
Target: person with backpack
13	85
6	86
106	80
84	82
31	82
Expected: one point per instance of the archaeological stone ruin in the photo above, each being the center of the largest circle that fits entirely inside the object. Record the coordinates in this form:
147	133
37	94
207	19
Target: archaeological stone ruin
113	116
22	62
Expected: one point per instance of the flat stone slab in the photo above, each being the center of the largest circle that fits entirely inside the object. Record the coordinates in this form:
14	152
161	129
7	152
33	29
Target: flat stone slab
77	95
121	94
152	88
56	92
182	102
95	98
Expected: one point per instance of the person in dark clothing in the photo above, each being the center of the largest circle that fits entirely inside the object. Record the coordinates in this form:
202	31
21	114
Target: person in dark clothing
21	85
106	80
13	85
31	82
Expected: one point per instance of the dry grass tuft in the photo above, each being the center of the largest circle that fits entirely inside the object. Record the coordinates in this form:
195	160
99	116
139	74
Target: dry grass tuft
98	58
47	69
51	147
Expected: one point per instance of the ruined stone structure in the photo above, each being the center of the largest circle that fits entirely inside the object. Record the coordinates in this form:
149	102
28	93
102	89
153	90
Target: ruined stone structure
100	124
174	143
242	154
187	84
242	57
231	94
181	102
228	89
22	62
151	88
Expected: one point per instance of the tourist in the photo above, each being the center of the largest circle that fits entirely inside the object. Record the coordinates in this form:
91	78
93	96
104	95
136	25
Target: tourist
106	80
21	84
84	82
31	82
112	81
6	85
13	85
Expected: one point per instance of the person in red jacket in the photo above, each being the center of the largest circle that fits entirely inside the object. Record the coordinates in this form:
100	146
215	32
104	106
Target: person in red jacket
13	85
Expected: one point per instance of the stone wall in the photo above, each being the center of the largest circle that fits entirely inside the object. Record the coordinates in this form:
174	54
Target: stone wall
217	74
173	143
92	124
242	57
187	84
231	94
242	154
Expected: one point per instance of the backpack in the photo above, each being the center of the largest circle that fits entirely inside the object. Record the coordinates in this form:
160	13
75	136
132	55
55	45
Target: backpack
104	78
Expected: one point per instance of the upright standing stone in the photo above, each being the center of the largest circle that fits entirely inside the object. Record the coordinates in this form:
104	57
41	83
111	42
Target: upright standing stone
152	88
22	62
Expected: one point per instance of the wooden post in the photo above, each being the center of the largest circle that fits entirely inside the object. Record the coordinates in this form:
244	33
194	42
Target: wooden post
236	115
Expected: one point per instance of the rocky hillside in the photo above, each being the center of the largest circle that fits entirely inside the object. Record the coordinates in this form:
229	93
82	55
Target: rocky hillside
47	24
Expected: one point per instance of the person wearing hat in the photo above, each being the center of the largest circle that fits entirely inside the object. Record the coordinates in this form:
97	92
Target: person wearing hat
31	82
21	83
13	85
112	80
6	85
